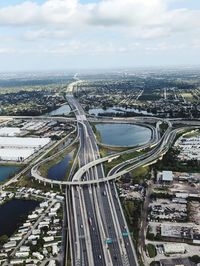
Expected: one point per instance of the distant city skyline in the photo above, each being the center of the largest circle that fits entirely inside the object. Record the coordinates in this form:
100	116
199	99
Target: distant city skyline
85	34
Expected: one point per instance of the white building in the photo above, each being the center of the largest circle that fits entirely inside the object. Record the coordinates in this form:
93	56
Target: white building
24	249
16	261
174	248
38	255
166	177
48	239
10	244
22	254
44	204
17	142
52	263
55	249
19	148
10	131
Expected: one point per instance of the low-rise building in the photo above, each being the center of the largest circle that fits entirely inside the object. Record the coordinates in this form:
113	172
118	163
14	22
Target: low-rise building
10	244
22	254
38	255
166	177
176	262
174	248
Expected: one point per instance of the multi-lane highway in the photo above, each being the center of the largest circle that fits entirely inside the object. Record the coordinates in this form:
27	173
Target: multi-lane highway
98	231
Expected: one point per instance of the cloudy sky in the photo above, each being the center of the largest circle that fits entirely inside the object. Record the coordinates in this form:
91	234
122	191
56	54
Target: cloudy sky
73	34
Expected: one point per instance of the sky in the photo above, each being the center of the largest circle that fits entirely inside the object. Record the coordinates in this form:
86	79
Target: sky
96	34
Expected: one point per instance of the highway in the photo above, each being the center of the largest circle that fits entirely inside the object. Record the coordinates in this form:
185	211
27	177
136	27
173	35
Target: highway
98	231
104	238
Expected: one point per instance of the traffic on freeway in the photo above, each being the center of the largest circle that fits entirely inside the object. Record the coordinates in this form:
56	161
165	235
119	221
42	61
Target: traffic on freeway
97	229
99	234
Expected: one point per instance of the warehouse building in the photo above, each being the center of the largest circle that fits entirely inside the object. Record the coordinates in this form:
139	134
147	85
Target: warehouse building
19	149
176	231
174	248
165	177
176	262
10	131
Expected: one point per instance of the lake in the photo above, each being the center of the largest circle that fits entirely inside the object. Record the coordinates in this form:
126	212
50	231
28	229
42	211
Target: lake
59	170
13	214
7	171
63	110
117	109
123	134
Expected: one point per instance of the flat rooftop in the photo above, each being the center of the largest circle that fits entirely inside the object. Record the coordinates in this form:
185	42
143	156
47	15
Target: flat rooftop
10	131
167	176
19	142
19	148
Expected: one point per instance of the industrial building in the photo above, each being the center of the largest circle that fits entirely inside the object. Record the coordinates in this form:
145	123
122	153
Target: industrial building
176	231
176	262
19	148
189	148
173	248
10	131
165	177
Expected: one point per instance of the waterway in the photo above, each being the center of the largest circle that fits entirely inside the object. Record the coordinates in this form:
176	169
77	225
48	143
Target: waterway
63	110
116	109
123	134
7	171
59	170
13	214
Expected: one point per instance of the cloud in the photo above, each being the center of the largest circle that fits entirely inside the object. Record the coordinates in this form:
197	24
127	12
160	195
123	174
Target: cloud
44	33
6	50
106	27
105	13
72	12
60	13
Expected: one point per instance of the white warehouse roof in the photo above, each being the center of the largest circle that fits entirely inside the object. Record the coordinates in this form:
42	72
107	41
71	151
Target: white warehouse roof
174	248
167	176
10	131
15	154
20	142
19	149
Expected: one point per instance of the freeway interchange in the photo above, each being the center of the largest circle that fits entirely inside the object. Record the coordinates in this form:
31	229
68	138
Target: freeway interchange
97	228
98	231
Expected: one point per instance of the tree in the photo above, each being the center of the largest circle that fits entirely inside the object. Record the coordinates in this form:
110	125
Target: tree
3	239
